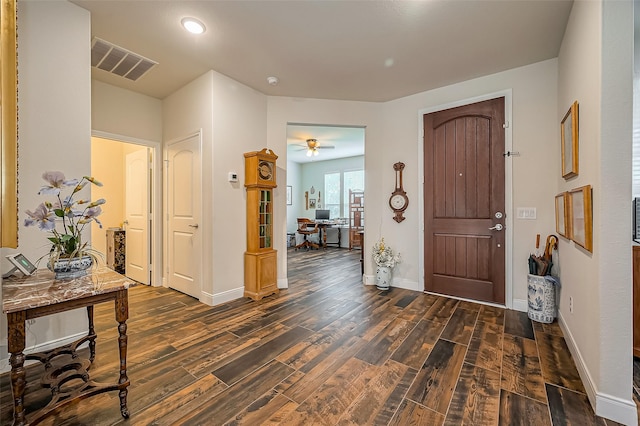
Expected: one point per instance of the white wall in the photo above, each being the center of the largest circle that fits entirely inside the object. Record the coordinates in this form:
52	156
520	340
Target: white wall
123	112
54	128
595	67
232	119
313	175
239	126
579	66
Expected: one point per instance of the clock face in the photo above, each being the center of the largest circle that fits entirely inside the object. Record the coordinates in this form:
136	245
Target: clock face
265	170
398	201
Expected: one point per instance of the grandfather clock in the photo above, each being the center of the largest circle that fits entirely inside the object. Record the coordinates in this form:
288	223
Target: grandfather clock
260	259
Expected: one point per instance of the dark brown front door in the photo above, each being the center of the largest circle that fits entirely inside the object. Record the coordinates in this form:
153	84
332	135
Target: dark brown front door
464	198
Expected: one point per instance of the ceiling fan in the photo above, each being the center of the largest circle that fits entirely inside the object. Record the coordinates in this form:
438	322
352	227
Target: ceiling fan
313	146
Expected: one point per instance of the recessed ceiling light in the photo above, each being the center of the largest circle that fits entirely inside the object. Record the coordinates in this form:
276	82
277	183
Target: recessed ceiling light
193	25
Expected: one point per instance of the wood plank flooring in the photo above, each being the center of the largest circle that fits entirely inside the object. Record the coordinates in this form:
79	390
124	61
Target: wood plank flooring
328	351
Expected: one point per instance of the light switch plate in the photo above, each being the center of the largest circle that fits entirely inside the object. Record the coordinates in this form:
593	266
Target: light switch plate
526	213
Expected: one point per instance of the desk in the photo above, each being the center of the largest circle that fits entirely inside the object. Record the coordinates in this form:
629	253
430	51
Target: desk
41	294
322	237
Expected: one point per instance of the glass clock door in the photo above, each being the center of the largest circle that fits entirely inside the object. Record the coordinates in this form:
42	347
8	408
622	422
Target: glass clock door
265	218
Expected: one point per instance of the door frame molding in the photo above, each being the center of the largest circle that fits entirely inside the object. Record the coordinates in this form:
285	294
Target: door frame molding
156	198
508	190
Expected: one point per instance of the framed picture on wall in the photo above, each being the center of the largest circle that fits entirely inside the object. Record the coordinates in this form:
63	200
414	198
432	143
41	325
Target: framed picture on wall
563	223
569	142
312	203
581	217
289	200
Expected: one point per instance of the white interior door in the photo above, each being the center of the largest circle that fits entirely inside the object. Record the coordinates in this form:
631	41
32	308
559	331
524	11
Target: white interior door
184	203
137	175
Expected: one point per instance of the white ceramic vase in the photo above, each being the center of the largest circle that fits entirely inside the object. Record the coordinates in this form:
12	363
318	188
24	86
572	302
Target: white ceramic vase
65	268
383	277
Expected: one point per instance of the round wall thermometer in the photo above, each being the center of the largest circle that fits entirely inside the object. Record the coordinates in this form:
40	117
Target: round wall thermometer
398	200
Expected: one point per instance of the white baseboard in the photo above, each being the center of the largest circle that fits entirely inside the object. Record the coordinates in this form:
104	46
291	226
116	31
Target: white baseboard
604	405
206	298
616	409
521	305
395	282
43	347
227	296
283	282
406	284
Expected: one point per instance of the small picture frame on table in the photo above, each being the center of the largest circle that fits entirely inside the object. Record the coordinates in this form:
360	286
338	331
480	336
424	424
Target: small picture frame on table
569	142
563	222
289	195
581	213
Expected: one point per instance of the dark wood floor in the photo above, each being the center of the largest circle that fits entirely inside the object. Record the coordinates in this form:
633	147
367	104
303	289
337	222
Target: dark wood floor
327	351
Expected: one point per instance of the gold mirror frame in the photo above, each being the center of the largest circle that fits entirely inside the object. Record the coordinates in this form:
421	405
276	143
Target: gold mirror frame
9	125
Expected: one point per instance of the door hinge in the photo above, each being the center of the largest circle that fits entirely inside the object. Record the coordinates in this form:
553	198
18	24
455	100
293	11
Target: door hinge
505	125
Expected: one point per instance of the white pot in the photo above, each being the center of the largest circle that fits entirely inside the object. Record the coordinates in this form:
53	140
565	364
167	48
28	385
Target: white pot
383	277
66	268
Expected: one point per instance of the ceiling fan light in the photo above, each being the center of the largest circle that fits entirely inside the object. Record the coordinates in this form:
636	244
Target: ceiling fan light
315	151
309	153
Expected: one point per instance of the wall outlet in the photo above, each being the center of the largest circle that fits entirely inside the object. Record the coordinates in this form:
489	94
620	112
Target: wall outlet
570	304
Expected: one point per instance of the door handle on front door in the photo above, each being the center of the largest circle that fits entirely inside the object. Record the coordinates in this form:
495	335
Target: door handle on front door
194	226
497	227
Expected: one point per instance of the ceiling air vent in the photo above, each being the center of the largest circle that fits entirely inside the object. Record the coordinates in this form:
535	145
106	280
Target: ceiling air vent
116	60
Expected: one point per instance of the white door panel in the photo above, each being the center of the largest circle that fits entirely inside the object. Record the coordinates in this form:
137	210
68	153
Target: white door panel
184	204
137	215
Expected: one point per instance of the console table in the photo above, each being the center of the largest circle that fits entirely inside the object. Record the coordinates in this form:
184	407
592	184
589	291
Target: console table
29	297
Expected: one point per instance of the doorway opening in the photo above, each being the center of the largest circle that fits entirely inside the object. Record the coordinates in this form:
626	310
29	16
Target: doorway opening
129	237
325	165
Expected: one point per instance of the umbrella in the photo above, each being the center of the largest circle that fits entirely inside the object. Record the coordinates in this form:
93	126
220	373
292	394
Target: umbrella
541	264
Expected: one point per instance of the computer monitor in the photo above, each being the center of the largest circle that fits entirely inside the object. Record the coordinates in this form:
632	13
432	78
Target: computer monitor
322	214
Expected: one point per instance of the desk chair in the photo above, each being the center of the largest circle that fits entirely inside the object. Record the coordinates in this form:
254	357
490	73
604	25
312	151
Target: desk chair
307	227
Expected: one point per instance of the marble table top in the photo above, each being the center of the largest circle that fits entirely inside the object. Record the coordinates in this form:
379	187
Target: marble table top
42	289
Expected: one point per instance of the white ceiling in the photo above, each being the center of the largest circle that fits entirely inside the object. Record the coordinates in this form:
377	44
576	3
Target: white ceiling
349	50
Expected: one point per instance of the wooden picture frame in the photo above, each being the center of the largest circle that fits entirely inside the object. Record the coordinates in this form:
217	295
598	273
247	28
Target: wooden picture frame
9	125
569	142
563	220
581	213
289	195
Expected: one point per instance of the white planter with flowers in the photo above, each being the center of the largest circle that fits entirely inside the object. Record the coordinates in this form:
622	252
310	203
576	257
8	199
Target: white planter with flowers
69	257
385	260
